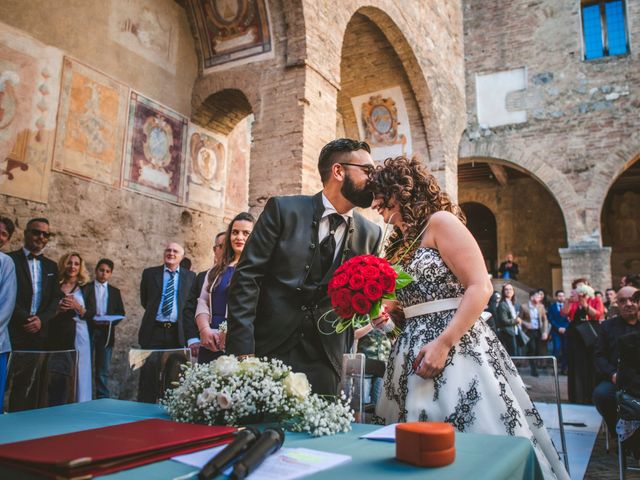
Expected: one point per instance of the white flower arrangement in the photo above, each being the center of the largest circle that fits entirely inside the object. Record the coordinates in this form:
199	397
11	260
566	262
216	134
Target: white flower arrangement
232	392
586	290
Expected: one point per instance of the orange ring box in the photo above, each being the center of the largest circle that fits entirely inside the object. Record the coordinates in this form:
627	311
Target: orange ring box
425	444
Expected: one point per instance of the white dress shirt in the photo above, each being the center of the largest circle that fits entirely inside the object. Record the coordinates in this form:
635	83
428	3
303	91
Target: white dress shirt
323	228
102	297
35	270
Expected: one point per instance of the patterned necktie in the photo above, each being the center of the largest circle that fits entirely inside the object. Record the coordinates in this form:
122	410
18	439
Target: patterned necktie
328	244
167	298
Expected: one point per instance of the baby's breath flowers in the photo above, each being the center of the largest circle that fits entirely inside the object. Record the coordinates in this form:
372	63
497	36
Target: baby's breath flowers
232	392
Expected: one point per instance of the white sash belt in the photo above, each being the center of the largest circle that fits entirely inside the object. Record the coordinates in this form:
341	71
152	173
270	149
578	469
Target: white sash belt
433	306
441	305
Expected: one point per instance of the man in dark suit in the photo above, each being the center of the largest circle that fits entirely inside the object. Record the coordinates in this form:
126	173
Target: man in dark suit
279	290
104	299
189	310
38	292
508	269
37	300
163	293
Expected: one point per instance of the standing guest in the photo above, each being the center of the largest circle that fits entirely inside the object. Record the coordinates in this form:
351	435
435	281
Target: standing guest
581	308
632	281
38	293
508	269
507	320
212	303
610	307
185	263
163	293
8	289
559	324
536	326
103	299
279	289
69	329
607	354
189	310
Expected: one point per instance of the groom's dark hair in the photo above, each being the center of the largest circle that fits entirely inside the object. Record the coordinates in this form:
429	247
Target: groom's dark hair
337	147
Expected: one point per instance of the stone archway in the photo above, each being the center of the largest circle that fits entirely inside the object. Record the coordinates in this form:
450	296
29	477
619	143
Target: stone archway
621	223
481	222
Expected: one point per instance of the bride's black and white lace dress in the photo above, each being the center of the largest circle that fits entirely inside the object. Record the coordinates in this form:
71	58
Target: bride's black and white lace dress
479	390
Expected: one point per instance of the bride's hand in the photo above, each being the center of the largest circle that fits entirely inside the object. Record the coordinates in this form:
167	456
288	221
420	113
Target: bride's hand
431	359
380	321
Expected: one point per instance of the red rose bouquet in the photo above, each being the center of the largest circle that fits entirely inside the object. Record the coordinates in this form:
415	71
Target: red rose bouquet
358	288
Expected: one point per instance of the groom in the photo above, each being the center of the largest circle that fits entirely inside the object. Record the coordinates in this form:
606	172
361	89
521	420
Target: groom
279	289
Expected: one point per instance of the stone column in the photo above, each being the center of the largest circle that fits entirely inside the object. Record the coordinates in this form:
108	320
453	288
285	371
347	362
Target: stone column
587	260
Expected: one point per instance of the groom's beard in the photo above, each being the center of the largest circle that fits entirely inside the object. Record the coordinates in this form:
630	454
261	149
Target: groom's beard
360	197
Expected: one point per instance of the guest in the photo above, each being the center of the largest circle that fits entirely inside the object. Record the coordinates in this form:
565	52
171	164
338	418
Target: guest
163	293
103	299
212	303
507	320
189	310
492	308
69	329
185	263
607	354
632	281
581	308
610	307
559	324
536	326
508	269
38	293
8	289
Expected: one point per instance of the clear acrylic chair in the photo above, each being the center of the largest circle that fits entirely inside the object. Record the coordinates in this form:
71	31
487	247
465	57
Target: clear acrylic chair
358	382
37	379
155	371
540	374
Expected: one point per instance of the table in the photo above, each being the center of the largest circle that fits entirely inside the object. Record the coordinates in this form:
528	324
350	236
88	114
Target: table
488	457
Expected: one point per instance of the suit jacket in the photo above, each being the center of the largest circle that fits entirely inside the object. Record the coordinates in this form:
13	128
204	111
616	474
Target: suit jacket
629	364
607	351
114	307
505	320
150	297
556	319
62	327
272	293
49	298
525	315
189	310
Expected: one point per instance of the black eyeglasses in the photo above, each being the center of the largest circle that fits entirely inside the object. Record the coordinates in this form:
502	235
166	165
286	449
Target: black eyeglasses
368	169
40	233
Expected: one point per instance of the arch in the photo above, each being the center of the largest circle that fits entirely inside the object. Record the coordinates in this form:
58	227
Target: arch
608	173
481	222
223	110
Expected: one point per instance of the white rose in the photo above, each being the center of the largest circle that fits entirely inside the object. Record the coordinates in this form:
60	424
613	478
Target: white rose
296	384
250	363
226	365
224	401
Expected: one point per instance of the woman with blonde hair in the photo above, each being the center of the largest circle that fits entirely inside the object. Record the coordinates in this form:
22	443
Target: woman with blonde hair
69	329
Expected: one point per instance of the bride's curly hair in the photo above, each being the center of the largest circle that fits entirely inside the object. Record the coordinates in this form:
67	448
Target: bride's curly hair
408	182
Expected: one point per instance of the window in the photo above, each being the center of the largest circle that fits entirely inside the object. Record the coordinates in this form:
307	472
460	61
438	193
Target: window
604	28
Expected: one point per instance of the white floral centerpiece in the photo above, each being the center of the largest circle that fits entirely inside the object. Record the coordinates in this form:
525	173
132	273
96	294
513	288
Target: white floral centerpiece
229	391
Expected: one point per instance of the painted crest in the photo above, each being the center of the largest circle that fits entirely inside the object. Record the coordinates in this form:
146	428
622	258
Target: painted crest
380	121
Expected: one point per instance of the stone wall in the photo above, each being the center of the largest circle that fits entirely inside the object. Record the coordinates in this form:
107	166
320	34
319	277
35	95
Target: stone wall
581	122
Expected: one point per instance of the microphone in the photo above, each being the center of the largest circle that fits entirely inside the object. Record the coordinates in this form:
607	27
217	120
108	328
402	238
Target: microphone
270	441
223	459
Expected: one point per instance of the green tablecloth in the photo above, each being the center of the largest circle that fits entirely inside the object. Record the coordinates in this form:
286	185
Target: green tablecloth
477	456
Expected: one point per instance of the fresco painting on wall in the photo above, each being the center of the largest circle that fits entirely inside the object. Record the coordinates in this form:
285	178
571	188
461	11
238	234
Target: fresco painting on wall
91	124
206	169
29	76
154	153
232	31
237	184
383	122
144	29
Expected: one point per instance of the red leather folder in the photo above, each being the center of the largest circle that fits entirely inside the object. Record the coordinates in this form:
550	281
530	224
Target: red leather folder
99	451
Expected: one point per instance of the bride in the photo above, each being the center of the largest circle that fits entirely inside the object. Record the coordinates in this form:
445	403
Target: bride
447	364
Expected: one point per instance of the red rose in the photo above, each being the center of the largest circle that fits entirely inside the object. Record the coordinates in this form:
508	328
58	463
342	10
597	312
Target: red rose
341	302
339	280
373	291
356	282
388	283
371	272
360	303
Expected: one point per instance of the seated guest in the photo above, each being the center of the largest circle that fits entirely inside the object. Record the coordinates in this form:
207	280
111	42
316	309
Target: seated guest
607	354
508	269
103	299
559	324
163	293
212	304
8	288
507	319
189	310
69	329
